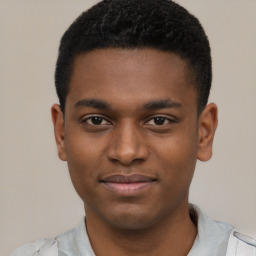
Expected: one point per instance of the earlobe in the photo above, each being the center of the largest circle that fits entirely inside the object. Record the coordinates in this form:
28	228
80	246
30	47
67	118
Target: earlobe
207	125
58	123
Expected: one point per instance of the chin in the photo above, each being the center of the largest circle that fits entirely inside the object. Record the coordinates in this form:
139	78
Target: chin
129	219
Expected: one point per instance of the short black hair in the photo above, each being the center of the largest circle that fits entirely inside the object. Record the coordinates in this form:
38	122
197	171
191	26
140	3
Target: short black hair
157	24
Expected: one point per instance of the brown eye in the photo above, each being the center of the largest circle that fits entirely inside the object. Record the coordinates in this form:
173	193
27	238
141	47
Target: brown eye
96	120
159	120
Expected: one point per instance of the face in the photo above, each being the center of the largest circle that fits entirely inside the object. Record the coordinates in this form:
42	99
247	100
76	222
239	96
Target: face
131	135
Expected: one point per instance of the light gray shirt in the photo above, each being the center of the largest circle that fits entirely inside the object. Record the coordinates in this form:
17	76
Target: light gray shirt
212	239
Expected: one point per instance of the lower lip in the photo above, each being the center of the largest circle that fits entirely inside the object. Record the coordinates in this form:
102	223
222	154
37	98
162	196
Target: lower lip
128	189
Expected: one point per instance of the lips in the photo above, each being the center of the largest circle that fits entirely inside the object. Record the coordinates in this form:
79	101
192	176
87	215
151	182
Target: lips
128	185
135	178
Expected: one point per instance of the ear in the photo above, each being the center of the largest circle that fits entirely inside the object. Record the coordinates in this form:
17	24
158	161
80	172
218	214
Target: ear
207	125
59	132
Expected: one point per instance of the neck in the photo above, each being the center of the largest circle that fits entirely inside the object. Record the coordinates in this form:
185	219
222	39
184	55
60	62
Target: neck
174	235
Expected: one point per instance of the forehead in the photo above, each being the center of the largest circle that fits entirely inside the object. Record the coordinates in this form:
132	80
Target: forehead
130	75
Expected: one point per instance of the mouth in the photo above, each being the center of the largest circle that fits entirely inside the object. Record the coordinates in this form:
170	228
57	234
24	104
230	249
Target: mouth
128	185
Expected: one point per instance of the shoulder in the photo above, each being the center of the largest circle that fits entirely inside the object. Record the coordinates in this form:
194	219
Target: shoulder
65	242
220	238
240	244
38	248
29	248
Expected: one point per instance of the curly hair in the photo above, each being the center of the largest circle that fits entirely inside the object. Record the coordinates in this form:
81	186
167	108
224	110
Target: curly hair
157	24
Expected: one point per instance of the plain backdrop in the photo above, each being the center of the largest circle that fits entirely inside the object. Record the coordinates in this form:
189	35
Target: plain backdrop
37	198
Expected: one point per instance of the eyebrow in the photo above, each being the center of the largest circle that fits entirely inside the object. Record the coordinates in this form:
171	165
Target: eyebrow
93	103
151	105
160	104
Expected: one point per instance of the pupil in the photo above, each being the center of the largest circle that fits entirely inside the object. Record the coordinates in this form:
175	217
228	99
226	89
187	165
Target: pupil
96	120
159	120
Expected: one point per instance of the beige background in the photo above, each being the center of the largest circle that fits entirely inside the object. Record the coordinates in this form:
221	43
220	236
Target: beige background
37	198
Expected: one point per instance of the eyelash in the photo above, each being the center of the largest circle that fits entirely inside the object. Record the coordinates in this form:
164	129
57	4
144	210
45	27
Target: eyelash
162	118
154	119
95	116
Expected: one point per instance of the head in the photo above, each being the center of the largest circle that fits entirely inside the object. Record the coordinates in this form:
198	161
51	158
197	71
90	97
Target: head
130	24
133	78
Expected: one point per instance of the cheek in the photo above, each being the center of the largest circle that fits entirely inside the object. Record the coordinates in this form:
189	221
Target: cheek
84	163
83	151
177	157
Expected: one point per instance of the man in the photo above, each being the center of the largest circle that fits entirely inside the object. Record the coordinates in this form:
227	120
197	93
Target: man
133	79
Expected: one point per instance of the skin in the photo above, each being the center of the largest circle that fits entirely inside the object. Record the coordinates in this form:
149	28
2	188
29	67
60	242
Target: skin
134	112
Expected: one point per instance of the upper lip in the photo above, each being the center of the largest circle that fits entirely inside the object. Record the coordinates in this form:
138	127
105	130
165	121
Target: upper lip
133	178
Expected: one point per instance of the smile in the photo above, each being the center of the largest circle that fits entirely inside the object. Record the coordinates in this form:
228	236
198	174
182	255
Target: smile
127	186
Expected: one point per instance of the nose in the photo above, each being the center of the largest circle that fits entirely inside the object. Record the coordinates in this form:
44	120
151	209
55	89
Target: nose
127	145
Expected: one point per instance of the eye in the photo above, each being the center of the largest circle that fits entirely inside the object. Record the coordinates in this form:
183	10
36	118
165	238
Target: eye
96	120
159	120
